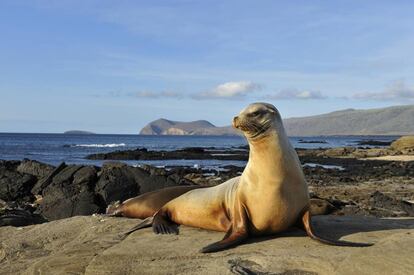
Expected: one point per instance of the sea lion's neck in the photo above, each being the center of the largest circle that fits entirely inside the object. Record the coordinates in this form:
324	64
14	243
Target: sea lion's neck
275	145
270	154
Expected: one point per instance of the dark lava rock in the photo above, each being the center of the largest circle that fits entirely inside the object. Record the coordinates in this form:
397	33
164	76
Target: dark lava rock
70	193
337	152
312	141
14	185
392	207
119	181
45	181
3	204
196	150
155	171
186	153
35	168
372	142
19	217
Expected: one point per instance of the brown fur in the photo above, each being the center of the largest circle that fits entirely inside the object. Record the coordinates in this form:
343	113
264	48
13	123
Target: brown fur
147	204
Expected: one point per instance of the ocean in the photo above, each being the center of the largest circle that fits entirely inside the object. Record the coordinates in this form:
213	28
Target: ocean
72	149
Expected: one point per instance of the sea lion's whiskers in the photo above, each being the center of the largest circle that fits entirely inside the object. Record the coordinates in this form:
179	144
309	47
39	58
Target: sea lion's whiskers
260	129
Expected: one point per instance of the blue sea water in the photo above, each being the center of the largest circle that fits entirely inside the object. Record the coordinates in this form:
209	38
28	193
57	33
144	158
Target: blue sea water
55	148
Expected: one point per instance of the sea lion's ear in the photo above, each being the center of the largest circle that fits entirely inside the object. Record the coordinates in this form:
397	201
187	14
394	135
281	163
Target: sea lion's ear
271	108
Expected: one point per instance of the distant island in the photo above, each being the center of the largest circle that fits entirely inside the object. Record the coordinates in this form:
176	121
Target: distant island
396	120
78	132
164	126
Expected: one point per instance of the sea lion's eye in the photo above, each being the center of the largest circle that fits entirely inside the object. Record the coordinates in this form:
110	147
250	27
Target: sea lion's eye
257	113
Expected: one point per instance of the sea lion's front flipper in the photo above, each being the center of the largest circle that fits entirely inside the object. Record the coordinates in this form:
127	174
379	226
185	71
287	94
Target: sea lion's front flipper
163	225
235	235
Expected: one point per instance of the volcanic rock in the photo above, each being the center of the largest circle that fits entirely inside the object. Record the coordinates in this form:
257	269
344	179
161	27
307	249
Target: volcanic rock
13	184
70	193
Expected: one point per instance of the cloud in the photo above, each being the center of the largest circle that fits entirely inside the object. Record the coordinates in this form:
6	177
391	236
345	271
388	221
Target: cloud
296	94
151	94
395	91
227	90
223	91
230	90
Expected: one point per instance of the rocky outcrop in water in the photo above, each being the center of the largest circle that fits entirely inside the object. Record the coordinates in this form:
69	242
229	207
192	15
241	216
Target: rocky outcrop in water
186	153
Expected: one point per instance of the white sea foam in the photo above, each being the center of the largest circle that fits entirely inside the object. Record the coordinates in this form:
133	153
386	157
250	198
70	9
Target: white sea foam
326	166
100	145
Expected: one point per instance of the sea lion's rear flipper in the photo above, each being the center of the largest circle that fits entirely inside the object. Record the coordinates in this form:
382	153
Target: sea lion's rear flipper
235	235
230	240
163	225
145	223
306	222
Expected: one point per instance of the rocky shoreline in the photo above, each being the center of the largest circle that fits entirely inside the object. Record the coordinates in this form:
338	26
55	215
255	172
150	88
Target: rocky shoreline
342	181
50	220
32	192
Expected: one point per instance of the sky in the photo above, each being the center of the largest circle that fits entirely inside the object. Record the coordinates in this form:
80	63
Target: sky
113	66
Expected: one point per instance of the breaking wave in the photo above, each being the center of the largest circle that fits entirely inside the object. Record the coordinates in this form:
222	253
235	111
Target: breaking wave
109	145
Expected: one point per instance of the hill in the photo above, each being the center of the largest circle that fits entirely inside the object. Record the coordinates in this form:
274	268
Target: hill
397	120
168	127
78	132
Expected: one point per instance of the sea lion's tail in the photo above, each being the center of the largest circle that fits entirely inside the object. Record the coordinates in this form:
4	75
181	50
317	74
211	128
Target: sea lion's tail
144	224
307	226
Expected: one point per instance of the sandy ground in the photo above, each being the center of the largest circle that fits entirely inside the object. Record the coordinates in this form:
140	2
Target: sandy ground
393	158
91	245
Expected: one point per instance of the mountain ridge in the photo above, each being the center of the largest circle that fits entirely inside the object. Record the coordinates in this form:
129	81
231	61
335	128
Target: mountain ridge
395	120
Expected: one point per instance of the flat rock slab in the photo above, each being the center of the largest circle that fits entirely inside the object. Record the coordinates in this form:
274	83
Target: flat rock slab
91	245
394	158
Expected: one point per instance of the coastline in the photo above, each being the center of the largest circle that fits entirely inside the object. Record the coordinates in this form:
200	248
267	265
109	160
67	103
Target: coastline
370	199
352	181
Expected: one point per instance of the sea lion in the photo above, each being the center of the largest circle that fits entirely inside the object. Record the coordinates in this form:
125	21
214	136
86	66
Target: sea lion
269	197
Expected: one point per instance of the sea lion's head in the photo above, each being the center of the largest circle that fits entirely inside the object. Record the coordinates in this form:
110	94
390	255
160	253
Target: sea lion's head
257	120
